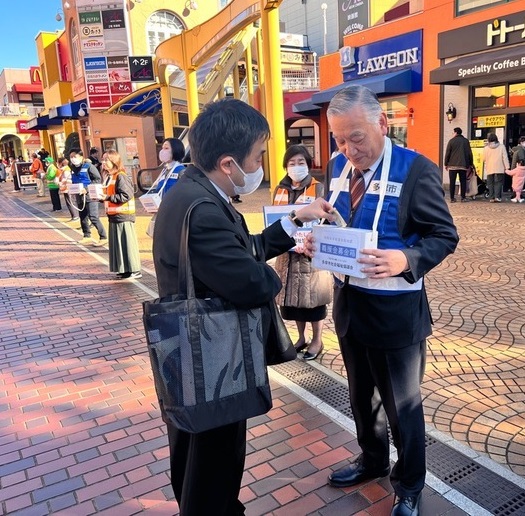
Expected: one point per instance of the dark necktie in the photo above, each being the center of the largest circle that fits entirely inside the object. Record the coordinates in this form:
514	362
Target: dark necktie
357	189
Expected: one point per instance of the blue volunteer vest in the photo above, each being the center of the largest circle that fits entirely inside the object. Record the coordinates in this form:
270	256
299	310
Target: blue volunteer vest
82	176
389	236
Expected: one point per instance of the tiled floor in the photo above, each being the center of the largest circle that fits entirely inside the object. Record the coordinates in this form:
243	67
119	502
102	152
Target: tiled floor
80	432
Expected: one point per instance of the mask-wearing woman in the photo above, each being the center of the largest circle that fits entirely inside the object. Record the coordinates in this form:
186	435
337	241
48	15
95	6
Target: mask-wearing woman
306	291
170	155
119	201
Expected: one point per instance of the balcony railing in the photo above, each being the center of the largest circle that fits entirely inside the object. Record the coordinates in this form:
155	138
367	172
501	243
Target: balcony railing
15	110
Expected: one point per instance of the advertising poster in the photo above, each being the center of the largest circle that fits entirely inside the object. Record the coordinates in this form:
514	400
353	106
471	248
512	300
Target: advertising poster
353	17
25	177
104	44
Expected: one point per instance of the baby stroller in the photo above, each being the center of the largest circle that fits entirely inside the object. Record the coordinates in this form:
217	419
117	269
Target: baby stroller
476	185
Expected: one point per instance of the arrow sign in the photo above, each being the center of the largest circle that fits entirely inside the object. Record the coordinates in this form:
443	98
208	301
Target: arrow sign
141	68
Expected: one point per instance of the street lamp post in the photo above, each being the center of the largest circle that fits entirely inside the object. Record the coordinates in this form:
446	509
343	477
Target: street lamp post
324	7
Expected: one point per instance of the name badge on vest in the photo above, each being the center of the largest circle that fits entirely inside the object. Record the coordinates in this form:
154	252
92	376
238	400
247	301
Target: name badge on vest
392	189
333	184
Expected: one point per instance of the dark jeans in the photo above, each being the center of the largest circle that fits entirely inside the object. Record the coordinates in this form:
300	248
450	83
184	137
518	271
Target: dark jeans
90	212
55	198
462	183
495	185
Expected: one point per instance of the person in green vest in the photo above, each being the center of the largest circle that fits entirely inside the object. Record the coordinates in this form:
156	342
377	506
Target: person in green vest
53	183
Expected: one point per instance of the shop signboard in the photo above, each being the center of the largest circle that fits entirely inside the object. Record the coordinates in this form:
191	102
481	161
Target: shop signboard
353	17
387	56
25	177
141	68
491	121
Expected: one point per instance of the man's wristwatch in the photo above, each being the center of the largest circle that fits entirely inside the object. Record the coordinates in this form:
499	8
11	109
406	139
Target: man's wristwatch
295	219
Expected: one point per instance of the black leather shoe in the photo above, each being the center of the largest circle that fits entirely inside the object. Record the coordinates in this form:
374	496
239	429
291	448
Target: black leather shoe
406	505
355	473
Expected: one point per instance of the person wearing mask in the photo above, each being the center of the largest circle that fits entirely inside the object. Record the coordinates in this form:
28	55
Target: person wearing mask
306	291
119	202
496	162
37	169
64	182
458	159
228	140
85	173
382	321
170	155
52	178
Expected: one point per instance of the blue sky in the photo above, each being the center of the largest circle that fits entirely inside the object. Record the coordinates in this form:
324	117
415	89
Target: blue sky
22	20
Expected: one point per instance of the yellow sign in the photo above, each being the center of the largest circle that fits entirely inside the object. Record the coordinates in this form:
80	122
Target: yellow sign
491	121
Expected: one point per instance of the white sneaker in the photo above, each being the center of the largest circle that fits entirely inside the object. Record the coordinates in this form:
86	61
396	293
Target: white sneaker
101	242
514	200
521	200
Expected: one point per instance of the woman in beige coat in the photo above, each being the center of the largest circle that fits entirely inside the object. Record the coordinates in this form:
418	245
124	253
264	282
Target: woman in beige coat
496	162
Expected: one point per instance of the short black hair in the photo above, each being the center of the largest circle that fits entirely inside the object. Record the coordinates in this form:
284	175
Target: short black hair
458	130
225	127
491	137
293	150
76	151
177	148
522	139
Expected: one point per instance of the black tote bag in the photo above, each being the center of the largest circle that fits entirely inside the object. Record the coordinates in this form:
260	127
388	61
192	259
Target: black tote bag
207	356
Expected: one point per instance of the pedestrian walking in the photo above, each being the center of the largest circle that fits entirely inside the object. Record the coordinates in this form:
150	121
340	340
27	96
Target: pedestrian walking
458	159
383	320
119	203
496	162
518	179
227	139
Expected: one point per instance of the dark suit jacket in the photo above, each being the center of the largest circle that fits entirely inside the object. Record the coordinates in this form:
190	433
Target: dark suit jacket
404	319
221	258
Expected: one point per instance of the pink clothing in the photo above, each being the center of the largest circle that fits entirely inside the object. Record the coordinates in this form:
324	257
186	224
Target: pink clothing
518	177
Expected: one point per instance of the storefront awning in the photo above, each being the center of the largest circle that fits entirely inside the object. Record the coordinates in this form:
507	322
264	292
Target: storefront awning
41	123
27	88
68	111
306	108
143	102
508	62
394	83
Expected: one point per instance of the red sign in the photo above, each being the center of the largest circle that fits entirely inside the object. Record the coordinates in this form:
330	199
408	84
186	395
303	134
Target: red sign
21	127
36	75
99	101
116	98
120	87
98	88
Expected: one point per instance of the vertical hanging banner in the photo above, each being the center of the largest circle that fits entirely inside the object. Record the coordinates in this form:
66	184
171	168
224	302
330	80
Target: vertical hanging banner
105	49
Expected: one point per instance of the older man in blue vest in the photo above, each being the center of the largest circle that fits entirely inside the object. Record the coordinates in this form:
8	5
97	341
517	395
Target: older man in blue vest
382	321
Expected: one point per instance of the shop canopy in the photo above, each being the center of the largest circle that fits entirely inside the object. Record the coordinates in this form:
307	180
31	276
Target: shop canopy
27	88
68	111
143	102
482	66
394	83
306	108
42	123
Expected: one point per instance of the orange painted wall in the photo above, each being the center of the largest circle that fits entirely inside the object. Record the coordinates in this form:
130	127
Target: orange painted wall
438	16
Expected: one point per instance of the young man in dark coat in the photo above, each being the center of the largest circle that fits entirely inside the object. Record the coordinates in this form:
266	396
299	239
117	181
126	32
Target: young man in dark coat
227	141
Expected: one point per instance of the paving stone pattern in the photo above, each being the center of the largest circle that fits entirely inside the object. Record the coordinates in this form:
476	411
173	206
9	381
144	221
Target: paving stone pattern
80	431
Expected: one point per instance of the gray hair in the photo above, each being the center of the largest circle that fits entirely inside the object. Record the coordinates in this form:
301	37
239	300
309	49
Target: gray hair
352	96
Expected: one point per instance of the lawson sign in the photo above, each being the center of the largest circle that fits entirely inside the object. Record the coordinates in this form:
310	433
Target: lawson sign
396	54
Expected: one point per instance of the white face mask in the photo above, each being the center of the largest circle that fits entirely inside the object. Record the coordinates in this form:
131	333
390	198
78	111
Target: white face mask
164	155
76	161
297	172
252	181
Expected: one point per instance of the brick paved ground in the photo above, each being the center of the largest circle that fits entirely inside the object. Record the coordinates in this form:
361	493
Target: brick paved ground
81	433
